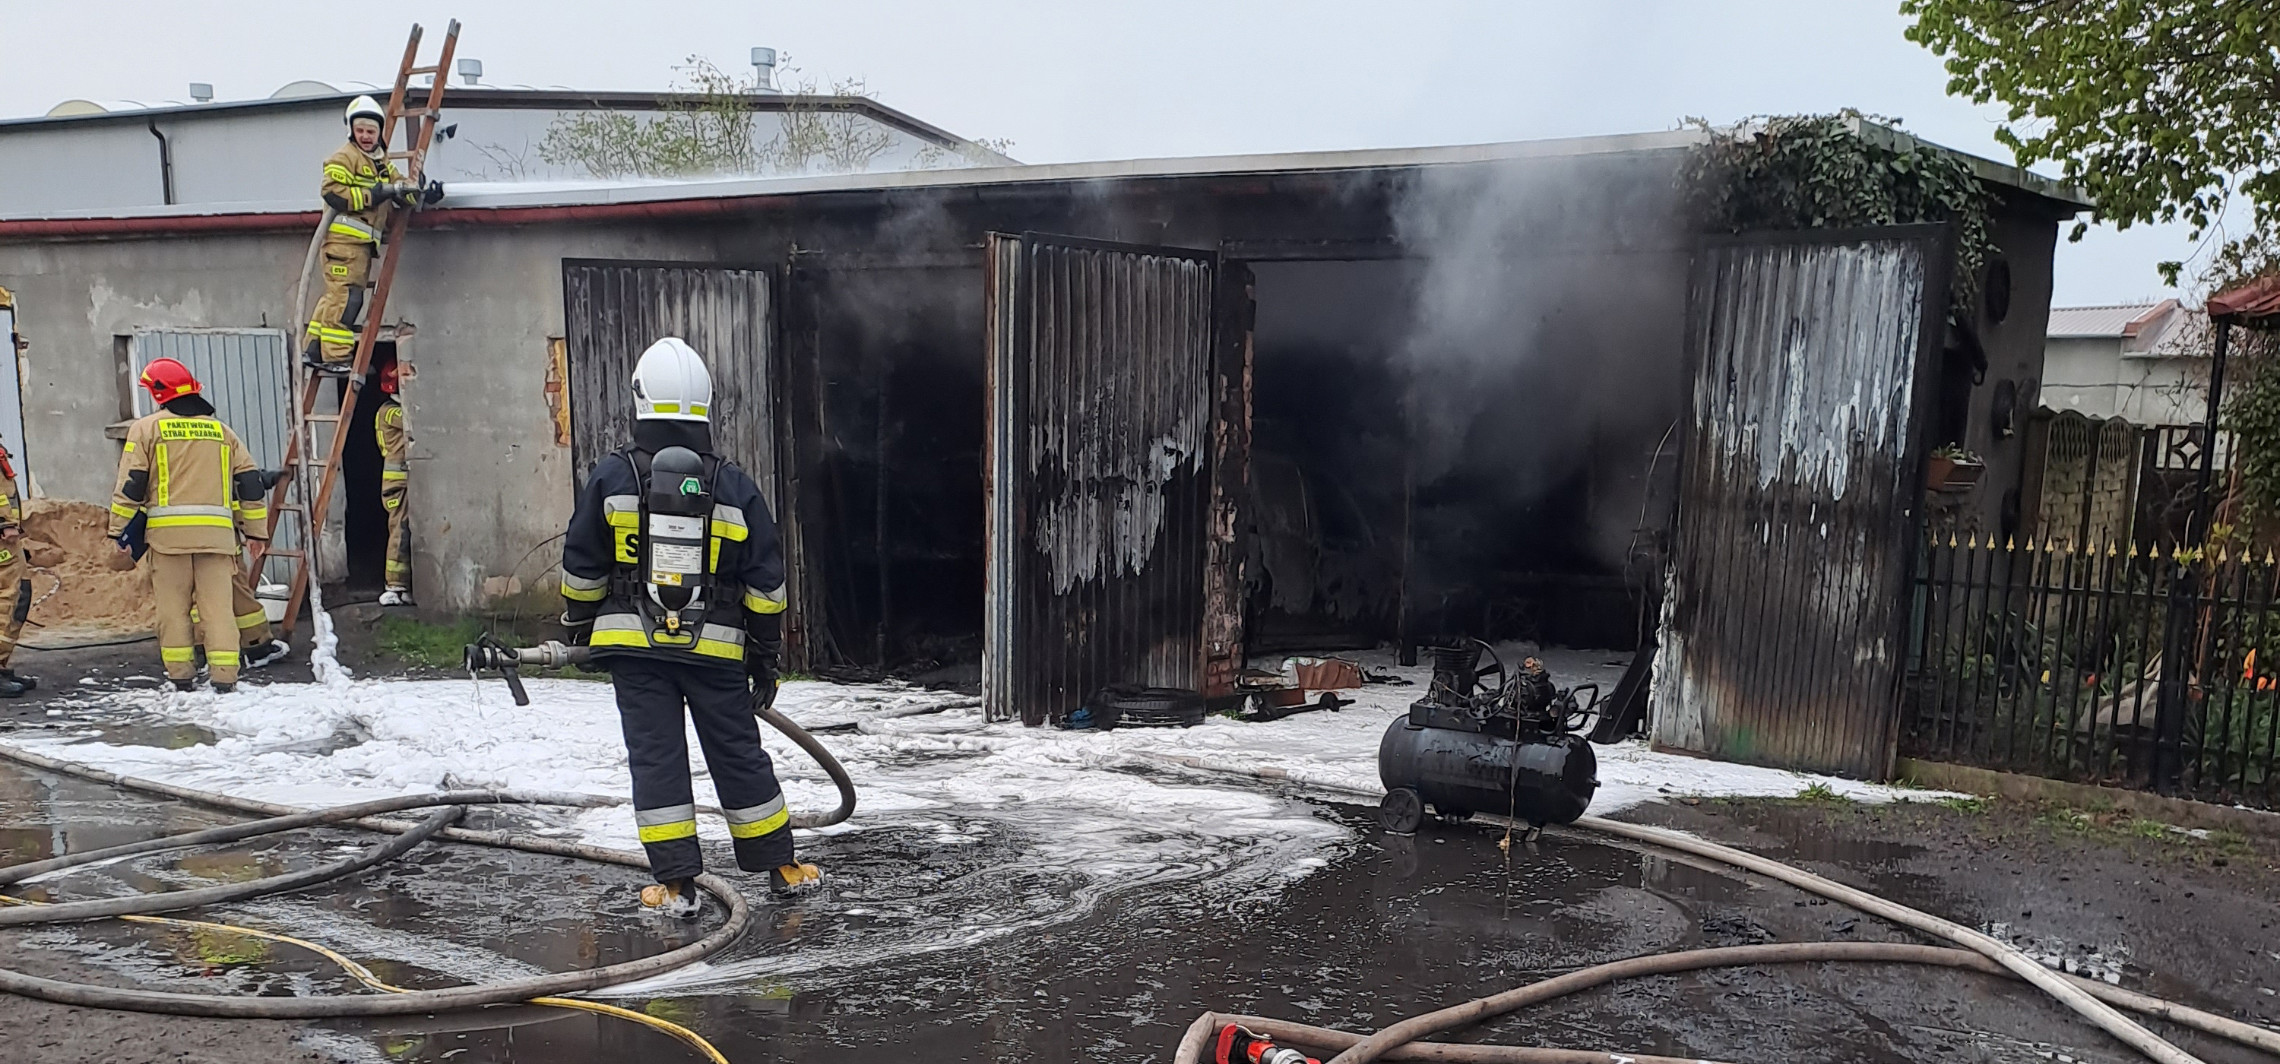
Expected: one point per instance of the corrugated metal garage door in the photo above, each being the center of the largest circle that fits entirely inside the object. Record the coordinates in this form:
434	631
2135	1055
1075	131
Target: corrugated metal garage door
613	311
1100	442
246	375
1782	638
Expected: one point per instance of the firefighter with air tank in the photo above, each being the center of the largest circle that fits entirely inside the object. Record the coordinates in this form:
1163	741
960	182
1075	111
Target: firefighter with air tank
672	572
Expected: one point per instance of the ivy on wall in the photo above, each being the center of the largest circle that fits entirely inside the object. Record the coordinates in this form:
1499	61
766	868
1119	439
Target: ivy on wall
1818	171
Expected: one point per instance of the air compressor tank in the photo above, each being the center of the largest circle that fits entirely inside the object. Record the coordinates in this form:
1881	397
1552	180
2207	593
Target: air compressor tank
1538	777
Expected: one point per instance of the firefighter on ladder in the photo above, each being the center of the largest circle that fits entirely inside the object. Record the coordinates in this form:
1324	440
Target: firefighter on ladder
672	572
15	581
395	485
192	480
362	187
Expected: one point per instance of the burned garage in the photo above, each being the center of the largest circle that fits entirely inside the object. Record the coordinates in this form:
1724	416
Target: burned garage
1080	424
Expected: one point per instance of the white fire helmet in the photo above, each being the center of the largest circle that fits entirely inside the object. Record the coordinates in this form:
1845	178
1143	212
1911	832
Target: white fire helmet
670	383
365	107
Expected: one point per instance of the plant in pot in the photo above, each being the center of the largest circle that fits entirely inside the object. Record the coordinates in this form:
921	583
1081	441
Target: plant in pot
1953	469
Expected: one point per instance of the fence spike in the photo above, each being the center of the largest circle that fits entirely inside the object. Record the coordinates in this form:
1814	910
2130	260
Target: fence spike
2114	550
2268	558
2133	548
2224	554
2011	543
1952	543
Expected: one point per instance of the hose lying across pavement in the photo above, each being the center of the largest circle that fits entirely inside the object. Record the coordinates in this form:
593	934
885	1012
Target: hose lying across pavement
1311	1037
2089	1000
324	1006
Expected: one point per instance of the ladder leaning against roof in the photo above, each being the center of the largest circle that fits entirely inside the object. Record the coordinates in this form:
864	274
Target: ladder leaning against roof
307	487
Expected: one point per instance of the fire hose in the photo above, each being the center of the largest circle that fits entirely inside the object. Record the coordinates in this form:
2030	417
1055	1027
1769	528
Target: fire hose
323	1006
450	806
491	655
2093	1001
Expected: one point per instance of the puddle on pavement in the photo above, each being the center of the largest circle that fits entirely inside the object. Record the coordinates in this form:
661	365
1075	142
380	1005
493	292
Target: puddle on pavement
924	947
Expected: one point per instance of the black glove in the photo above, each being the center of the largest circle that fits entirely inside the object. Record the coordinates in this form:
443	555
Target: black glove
760	665
431	193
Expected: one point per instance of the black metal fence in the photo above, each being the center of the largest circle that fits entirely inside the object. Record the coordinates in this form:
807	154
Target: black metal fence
2155	670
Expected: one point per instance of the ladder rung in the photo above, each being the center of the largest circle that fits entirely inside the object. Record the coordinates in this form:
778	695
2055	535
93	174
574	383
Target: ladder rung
320	417
281	553
417	71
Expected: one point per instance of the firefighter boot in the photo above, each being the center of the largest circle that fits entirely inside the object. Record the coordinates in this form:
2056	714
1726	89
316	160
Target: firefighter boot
679	899
794	879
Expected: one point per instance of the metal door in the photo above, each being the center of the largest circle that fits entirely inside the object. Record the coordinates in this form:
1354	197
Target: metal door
1101	425
613	311
248	376
1783	628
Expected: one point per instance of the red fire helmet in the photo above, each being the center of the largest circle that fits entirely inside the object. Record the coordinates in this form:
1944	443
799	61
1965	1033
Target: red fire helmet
168	380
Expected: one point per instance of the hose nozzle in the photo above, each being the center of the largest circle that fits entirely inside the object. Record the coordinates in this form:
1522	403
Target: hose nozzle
488	654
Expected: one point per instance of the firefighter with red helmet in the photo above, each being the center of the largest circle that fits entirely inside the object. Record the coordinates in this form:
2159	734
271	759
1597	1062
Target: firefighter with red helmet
395	485
194	484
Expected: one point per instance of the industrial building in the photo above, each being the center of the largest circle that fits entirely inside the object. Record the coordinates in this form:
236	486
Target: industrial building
1089	422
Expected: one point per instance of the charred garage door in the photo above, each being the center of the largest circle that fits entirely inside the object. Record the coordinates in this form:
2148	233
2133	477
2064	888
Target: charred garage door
1782	635
1106	417
613	311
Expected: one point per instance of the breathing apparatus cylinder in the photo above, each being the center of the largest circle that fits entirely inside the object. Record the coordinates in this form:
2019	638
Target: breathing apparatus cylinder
675	540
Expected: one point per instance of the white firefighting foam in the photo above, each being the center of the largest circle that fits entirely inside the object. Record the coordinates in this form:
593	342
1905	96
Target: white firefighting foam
1060	819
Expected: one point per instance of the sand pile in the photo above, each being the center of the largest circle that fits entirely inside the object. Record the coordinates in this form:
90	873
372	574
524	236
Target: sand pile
65	542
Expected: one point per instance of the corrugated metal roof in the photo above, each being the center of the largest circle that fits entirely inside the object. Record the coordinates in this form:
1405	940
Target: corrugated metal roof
570	194
2112	321
488	196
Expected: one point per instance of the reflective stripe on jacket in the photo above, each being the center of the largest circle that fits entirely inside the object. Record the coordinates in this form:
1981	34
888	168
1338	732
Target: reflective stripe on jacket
601	563
350	180
388	426
188	466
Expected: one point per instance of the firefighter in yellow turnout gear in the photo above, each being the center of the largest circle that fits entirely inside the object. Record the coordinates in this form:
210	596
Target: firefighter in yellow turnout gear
194	483
15	584
395	484
363	188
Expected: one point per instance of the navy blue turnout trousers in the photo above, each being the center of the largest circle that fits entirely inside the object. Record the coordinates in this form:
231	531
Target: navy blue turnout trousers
650	697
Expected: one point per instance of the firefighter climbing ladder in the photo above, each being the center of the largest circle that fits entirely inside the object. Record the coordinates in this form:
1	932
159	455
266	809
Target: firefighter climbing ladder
307	488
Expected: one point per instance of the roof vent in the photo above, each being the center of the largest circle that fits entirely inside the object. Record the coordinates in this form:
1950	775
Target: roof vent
764	69
201	92
471	71
71	108
294	89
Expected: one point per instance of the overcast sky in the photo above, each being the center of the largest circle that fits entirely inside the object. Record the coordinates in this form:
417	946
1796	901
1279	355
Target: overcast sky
1079	79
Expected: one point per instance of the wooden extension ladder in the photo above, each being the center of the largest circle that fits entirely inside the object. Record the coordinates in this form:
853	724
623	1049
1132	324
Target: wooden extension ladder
306	489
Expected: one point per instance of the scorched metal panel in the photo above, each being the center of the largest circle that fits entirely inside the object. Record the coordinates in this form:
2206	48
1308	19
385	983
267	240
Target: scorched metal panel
1781	637
1101	432
614	311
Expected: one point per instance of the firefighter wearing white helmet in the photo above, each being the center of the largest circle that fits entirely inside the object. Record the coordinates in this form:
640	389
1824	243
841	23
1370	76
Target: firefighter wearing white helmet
362	186
672	572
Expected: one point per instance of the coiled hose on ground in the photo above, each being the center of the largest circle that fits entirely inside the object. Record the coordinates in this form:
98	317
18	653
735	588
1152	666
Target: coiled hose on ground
364	815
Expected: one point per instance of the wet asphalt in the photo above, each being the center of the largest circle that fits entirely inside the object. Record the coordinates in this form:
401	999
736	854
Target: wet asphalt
1389	927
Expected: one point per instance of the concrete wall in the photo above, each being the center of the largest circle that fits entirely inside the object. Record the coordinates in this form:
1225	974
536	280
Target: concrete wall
2093	375
273	155
2024	241
72	300
488	482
